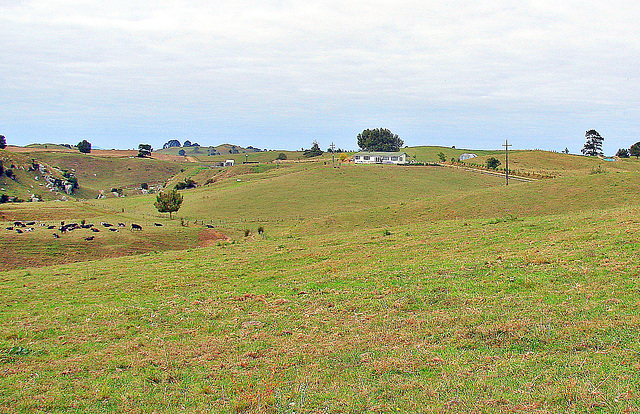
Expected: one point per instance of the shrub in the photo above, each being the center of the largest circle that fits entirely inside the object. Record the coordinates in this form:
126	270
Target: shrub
281	156
492	163
144	186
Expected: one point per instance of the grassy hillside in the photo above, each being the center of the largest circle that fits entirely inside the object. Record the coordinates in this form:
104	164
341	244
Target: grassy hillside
533	314
374	289
98	173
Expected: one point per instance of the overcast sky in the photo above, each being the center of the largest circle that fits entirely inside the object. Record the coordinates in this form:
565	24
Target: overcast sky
280	74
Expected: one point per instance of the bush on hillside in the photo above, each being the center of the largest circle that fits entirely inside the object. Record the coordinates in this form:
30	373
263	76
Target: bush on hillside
281	156
186	184
493	163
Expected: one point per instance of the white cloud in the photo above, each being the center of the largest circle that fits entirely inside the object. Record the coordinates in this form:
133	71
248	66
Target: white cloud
282	66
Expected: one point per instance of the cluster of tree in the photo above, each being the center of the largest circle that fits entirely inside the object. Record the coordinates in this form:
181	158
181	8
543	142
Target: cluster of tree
168	202
593	146
3	142
144	150
379	139
171	143
336	151
281	156
186	184
314	151
84	146
633	151
188	143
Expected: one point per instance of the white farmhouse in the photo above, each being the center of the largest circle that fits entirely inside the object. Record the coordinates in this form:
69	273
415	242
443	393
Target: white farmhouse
381	158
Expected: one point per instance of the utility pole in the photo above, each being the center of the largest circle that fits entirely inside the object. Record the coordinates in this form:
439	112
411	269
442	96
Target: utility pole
506	146
333	154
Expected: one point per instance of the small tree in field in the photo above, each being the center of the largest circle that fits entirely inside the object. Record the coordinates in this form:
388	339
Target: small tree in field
442	157
634	151
168	202
492	163
3	142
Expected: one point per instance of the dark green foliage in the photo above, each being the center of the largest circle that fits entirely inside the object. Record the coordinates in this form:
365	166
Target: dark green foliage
84	146
593	146
168	202
634	151
182	153
144	150
379	139
566	150
442	156
281	156
493	163
622	153
171	143
186	184
187	143
3	142
4	198
315	150
9	173
1	167
144	186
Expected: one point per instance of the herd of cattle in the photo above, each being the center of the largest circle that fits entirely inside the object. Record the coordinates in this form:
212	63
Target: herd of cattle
24	227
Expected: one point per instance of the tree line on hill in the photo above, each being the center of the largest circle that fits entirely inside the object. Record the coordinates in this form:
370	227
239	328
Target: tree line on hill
593	146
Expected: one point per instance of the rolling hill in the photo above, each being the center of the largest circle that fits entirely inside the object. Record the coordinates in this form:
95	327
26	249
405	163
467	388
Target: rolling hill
372	289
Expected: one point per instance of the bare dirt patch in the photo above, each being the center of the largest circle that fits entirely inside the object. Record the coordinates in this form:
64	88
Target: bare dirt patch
210	237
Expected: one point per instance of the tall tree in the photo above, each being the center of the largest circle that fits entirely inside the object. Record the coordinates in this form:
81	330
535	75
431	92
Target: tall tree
379	139
593	146
84	146
168	202
634	151
3	142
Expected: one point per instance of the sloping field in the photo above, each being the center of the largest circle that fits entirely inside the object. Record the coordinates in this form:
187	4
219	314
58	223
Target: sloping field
539	314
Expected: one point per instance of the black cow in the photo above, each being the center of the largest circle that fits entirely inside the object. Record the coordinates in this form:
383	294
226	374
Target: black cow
56	236
90	238
135	226
157	224
93	229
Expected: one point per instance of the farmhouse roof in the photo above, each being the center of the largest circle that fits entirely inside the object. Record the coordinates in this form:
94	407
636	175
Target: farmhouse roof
381	153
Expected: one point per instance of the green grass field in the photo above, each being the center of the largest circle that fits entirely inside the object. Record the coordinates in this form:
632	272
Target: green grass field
374	289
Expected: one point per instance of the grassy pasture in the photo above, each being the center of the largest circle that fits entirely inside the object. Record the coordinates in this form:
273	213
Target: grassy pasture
535	314
376	289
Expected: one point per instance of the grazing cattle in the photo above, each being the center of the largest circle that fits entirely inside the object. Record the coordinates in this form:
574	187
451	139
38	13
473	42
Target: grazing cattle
56	236
209	226
19	231
135	226
10	228
93	229
86	226
51	227
157	224
19	224
121	225
90	238
31	223
116	230
106	224
29	229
